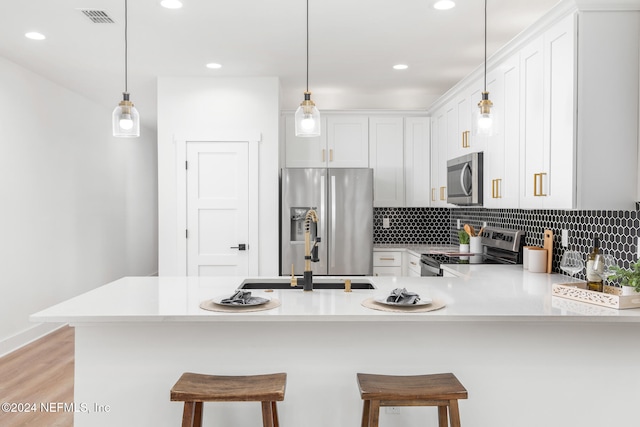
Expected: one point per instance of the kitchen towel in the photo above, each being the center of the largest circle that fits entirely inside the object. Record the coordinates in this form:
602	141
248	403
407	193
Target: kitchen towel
239	298
402	296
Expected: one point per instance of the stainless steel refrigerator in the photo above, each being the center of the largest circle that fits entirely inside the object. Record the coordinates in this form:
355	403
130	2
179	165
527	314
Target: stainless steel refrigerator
343	199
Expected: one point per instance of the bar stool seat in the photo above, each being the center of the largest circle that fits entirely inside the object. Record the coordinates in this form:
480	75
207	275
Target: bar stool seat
441	390
194	389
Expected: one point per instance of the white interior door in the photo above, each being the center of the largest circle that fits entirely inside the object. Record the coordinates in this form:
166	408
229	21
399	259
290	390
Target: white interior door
217	209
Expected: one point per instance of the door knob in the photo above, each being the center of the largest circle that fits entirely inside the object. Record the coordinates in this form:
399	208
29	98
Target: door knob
240	247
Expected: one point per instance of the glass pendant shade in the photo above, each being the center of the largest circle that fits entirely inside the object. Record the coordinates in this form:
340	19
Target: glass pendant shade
126	121
307	118
484	121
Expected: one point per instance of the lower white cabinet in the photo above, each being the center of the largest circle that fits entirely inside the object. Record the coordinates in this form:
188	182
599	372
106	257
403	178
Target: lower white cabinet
412	265
387	263
396	263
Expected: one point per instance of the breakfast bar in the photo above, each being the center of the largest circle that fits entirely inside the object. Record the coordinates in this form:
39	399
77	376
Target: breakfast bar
526	357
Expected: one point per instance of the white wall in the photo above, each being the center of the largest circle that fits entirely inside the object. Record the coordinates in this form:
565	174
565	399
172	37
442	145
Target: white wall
78	206
197	107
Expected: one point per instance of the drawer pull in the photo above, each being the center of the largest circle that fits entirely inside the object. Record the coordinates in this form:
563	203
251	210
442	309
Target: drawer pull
413	263
387	259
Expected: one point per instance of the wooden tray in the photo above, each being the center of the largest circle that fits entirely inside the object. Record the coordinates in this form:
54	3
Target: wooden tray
609	298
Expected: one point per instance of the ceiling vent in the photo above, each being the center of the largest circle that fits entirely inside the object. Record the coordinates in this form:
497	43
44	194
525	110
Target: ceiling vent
97	16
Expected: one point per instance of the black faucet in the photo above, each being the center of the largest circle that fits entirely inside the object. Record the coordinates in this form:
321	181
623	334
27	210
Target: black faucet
310	252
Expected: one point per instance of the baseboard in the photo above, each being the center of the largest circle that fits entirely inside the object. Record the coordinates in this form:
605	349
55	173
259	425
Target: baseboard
27	336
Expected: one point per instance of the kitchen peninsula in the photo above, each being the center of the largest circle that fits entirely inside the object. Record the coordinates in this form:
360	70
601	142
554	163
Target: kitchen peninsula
527	358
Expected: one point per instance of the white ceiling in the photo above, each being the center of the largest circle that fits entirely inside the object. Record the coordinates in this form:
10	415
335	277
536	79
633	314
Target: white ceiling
353	45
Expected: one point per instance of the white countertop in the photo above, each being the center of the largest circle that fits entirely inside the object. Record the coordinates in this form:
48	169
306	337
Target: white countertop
481	293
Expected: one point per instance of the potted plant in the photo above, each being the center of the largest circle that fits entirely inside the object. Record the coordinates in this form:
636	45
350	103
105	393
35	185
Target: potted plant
629	279
463	238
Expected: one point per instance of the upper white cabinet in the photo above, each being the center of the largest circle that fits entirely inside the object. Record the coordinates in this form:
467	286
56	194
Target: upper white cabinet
439	157
386	157
395	146
417	160
343	143
348	141
548	105
305	152
502	152
566	98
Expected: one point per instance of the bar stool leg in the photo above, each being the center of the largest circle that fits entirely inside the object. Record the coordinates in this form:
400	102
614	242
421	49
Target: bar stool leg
443	420
374	413
454	413
365	413
274	409
192	414
267	414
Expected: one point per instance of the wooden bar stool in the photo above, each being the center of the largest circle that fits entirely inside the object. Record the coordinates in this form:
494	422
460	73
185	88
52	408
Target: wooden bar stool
194	389
441	390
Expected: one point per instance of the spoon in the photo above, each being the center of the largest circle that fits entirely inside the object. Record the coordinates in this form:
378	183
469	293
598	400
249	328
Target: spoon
468	229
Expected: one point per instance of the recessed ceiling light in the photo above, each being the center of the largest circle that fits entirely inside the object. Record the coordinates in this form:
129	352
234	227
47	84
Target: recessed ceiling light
171	4
444	5
213	65
400	67
35	36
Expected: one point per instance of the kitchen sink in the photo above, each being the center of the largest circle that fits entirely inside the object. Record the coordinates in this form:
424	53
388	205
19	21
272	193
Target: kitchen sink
318	283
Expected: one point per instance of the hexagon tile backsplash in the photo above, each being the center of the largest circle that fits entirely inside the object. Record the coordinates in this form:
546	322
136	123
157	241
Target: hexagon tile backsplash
618	230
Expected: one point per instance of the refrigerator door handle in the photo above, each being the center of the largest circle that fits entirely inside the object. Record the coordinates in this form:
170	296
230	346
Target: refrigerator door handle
332	237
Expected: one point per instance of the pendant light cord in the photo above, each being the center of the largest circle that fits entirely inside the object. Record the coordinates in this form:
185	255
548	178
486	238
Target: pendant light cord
485	45
126	50
307	45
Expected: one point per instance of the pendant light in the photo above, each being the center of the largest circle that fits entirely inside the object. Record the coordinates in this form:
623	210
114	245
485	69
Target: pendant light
126	121
484	120
307	117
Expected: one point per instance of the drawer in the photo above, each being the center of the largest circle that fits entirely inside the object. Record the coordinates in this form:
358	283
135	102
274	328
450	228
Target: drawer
387	271
413	263
387	259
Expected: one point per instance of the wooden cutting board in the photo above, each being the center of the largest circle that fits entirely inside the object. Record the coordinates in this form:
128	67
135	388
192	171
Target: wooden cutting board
548	245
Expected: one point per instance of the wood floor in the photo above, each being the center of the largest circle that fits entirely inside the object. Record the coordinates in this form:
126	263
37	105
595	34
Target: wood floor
40	373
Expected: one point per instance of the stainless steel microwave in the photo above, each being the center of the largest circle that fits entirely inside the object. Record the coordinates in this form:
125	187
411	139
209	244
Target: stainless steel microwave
464	180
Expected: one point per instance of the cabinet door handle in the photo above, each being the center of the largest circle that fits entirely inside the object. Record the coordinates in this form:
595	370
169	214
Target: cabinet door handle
442	191
495	188
331	154
499	188
433	194
538	192
323	152
465	139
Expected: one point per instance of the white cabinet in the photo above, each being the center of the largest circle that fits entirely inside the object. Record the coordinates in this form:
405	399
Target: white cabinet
417	161
305	152
502	152
347	141
412	265
547	105
566	99
343	143
387	263
439	157
386	157
579	113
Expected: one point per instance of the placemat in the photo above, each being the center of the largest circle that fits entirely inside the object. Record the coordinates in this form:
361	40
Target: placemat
436	304
211	306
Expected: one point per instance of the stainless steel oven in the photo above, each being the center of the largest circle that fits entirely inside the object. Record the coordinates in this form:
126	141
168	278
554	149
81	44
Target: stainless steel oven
464	180
499	246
